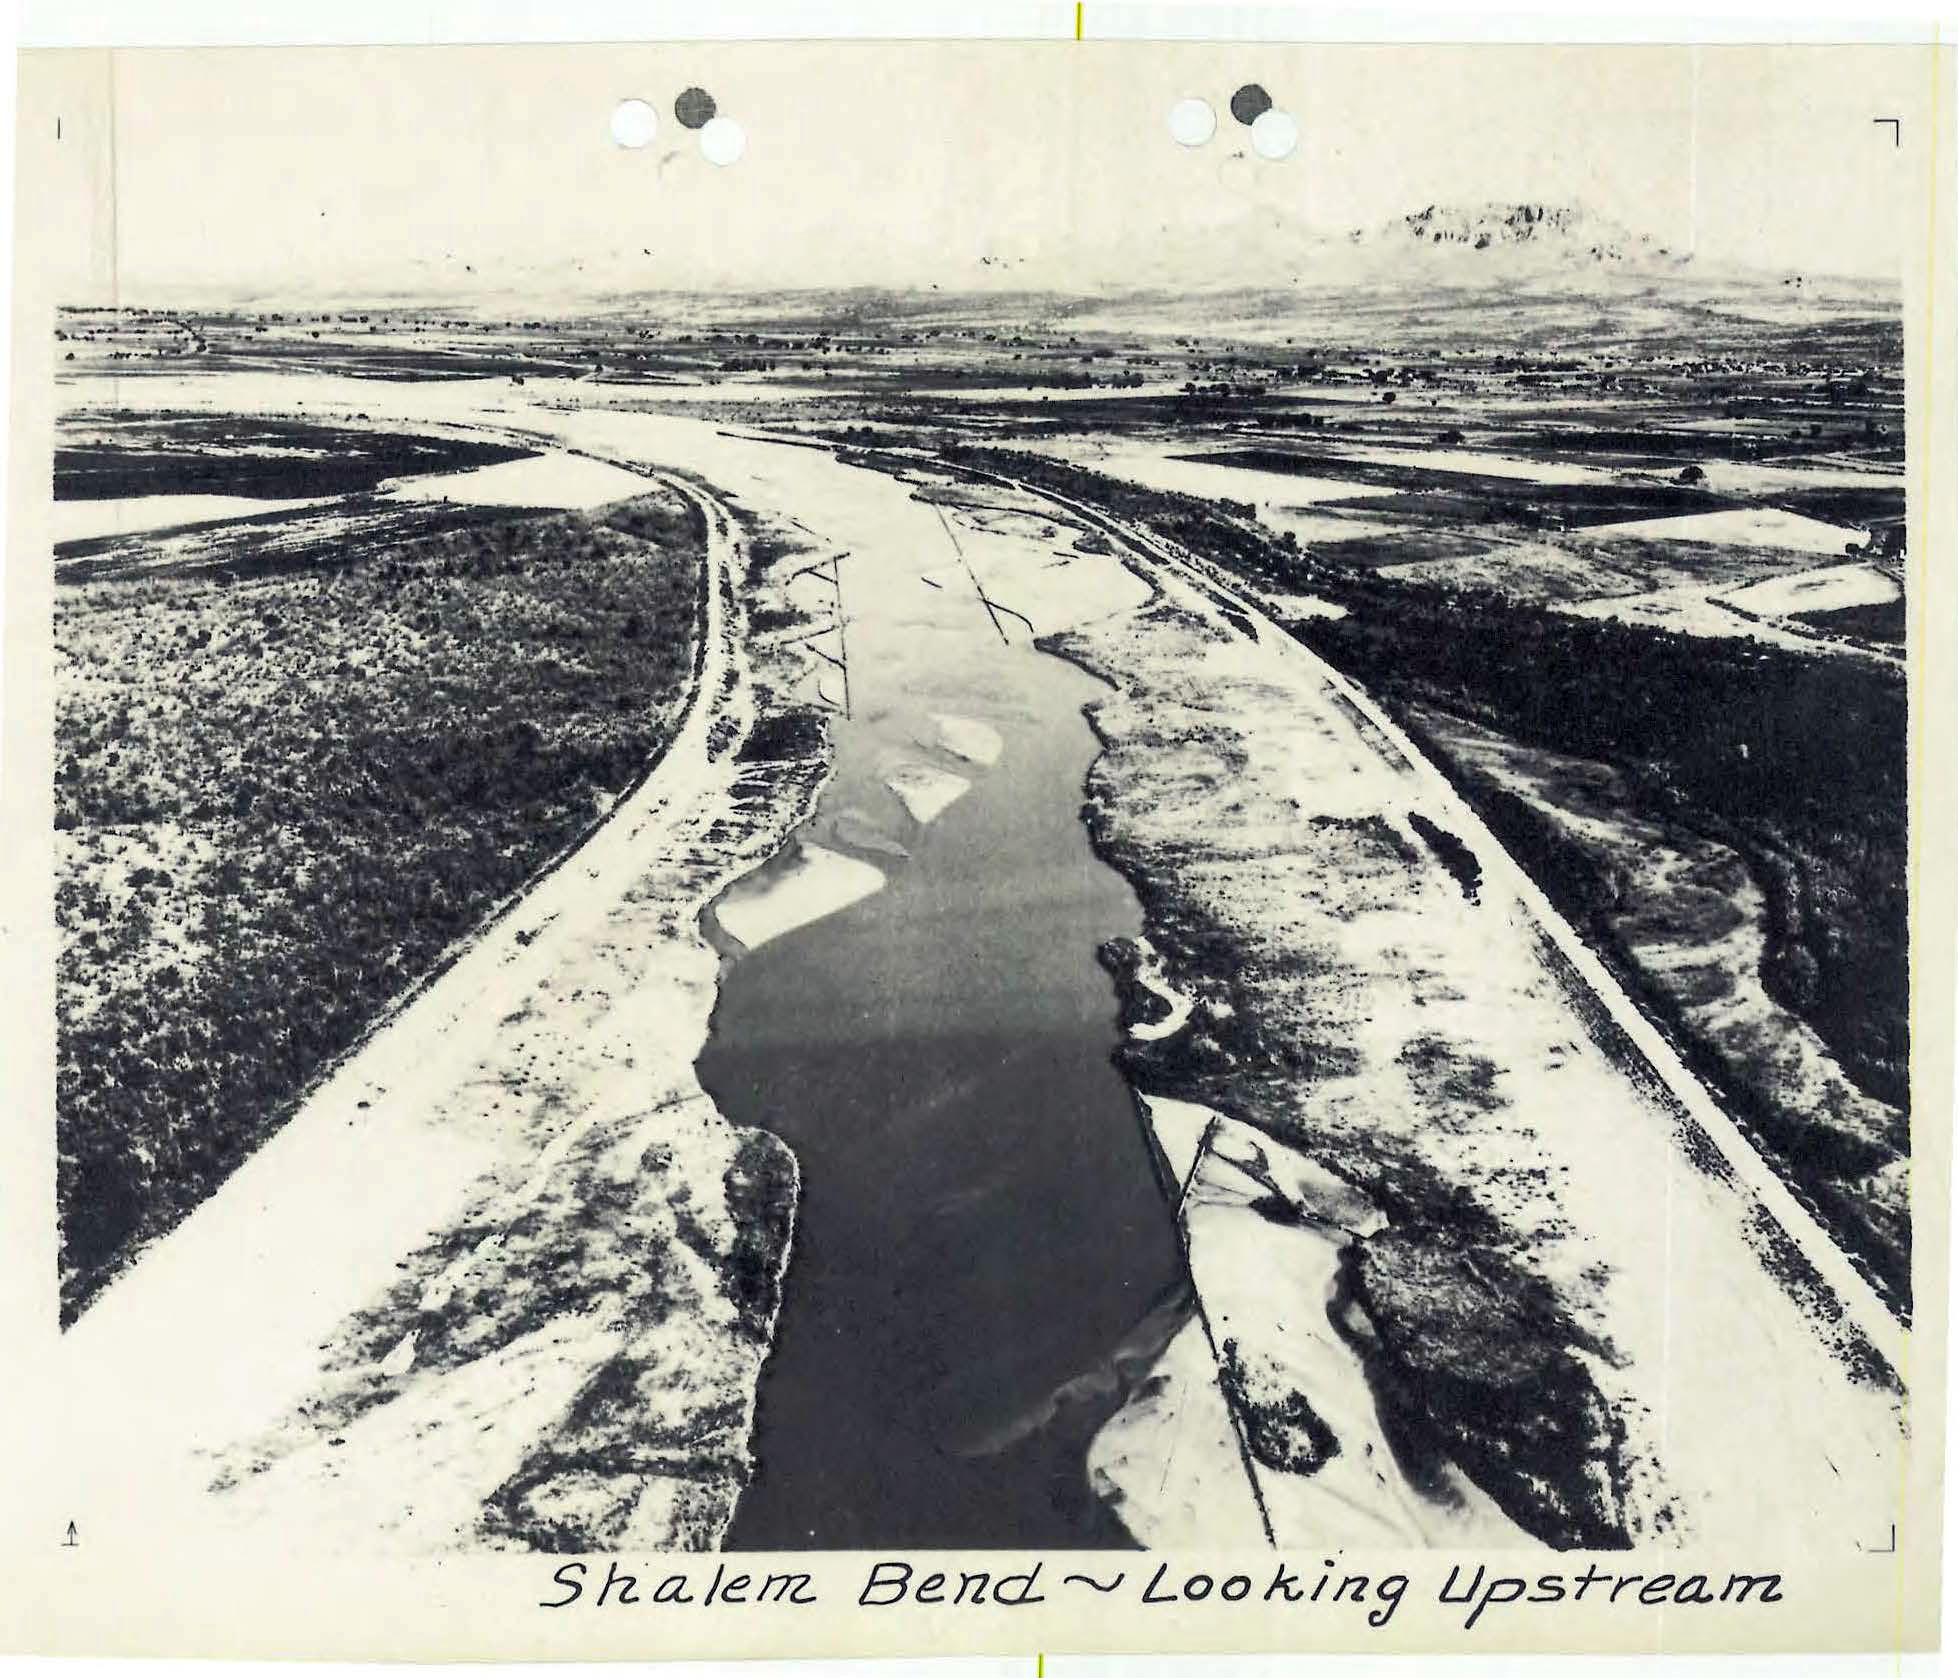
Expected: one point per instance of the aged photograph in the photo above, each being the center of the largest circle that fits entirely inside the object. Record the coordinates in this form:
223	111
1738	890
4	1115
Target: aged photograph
824	798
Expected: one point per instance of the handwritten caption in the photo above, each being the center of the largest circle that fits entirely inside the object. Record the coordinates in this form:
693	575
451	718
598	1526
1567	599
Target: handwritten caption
1477	1591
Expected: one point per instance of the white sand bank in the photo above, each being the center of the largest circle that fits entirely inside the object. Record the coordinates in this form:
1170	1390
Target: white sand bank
1177	1004
926	792
964	737
1179	1462
1168	1462
815	883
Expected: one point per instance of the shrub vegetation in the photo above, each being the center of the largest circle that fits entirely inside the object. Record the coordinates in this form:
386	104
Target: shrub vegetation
279	801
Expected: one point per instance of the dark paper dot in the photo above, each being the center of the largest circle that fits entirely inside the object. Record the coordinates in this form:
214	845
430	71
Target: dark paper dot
695	108
1248	103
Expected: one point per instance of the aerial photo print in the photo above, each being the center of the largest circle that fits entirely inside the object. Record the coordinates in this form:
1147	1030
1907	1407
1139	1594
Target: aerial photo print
1006	799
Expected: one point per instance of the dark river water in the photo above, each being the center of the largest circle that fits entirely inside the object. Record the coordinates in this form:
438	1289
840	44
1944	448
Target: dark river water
983	1257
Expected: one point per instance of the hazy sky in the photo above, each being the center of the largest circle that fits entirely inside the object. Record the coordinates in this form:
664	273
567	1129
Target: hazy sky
277	168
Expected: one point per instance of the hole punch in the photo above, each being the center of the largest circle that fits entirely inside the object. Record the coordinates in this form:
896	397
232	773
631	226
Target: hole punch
722	141
1275	134
1192	122
694	108
1249	103
634	123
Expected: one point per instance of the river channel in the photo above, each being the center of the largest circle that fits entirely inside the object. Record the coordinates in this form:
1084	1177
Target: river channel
984	1261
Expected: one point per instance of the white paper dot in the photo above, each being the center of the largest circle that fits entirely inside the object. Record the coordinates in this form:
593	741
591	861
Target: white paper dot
722	140
1191	122
1275	134
634	122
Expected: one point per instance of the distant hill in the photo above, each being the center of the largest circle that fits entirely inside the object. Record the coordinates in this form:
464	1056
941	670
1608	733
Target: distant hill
1559	232
1539	275
1542	274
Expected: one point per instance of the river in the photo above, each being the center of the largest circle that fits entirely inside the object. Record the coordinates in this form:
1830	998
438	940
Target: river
983	1258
